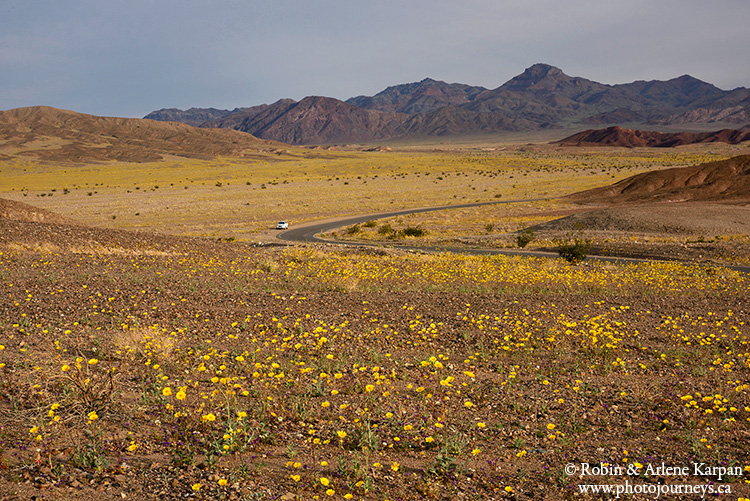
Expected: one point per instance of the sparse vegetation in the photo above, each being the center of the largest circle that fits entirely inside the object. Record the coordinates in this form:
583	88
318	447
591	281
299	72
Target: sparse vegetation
299	371
573	249
207	368
524	236
413	231
295	186
387	231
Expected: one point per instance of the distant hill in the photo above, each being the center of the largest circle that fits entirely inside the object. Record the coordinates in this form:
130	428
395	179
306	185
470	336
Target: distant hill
617	136
314	120
543	96
243	117
421	97
193	116
722	181
53	134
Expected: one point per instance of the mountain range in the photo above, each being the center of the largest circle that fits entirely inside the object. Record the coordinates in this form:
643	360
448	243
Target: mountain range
542	97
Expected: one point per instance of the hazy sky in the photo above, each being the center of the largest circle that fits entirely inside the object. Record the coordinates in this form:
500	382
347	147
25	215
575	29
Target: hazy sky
129	57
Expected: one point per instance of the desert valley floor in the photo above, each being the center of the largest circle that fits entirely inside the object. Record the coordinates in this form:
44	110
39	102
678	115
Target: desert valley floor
158	341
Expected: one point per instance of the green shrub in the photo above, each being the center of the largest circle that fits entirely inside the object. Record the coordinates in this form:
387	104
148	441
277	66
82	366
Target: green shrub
413	231
387	231
524	236
573	251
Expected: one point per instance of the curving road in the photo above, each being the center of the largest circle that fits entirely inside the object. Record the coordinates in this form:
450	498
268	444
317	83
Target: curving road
307	233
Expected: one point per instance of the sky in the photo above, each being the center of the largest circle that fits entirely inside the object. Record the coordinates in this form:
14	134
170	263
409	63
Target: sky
130	57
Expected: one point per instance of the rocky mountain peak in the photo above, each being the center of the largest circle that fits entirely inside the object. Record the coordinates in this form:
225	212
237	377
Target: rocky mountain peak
537	77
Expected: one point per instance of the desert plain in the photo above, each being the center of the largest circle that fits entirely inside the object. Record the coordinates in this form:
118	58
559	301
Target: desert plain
158	341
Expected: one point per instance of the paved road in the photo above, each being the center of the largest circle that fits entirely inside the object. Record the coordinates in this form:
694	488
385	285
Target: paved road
308	233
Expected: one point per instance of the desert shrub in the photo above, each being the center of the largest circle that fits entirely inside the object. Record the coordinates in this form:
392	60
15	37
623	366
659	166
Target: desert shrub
413	231
370	224
573	250
524	236
387	231
489	227
353	230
